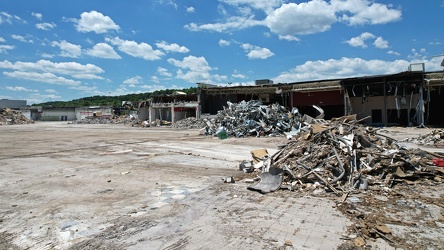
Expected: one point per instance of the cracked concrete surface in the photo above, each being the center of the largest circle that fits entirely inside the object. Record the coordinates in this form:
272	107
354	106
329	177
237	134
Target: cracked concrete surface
66	186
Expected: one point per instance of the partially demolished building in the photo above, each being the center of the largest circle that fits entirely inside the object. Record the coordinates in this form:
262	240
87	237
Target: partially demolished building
407	98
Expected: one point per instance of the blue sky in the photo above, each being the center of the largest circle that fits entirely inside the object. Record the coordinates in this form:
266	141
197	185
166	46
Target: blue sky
63	50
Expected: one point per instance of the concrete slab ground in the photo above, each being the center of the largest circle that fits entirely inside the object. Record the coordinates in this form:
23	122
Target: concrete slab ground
66	186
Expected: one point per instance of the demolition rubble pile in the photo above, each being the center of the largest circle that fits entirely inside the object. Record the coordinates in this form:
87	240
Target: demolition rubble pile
435	138
254	119
377	183
10	116
342	155
106	120
190	123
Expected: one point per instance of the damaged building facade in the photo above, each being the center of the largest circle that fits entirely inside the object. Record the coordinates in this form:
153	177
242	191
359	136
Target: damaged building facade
411	98
170	108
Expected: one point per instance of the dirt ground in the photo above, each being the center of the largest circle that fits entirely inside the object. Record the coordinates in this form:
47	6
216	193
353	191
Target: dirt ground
91	186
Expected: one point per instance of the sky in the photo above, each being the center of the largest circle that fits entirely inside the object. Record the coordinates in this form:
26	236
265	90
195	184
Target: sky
52	50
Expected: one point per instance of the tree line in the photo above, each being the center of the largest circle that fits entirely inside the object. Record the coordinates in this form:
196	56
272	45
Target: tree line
115	101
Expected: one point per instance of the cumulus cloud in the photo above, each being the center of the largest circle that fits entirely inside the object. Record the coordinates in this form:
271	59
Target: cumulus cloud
39	98
152	88
191	9
301	19
232	23
237	75
289	38
359	41
173	47
289	20
265	5
74	69
195	69
141	50
41	77
164	72
20	89
391	52
103	50
133	81
381	43
96	22
256	52
341	68
68	49
38	16
223	42
359	12
45	26
6	48
21	39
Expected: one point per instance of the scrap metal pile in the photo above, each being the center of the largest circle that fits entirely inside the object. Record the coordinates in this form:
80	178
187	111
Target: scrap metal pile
341	156
10	116
254	119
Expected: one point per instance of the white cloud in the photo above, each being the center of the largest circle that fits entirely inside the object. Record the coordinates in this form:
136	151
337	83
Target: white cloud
192	63
41	77
8	18
256	52
223	42
39	98
265	5
133	81
195	69
164	72
38	16
51	90
173	47
381	43
391	52
155	79
20	89
21	39
301	19
103	50
168	2
66	68
290	19
2	40
232	23
94	21
86	89
359	41
359	12
46	55
289	38
141	50
152	88
342	68
68	49
238	76
45	26
6	48
191	9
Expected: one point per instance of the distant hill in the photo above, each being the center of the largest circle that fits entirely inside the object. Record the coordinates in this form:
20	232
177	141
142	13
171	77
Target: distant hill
115	101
